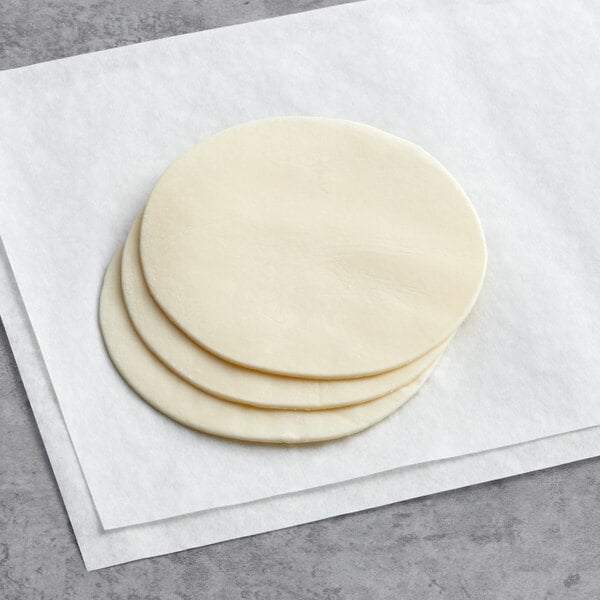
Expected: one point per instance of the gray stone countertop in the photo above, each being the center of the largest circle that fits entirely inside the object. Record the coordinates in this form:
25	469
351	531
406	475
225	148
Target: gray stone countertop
536	536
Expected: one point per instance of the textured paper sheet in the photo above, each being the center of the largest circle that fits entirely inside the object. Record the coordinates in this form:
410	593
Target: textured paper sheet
101	548
503	94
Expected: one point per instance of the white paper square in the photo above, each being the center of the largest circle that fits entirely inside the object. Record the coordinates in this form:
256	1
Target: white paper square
503	94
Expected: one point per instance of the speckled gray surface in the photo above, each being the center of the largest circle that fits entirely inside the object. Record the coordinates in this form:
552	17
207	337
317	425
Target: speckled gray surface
529	537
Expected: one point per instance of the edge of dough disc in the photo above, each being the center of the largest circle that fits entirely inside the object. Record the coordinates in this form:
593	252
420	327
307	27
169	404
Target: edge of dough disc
180	401
232	382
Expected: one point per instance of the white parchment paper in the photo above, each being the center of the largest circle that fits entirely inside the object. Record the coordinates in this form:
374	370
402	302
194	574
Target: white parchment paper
103	548
504	94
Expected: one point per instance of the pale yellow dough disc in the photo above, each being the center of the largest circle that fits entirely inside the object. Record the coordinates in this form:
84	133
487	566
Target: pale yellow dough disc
188	405
232	382
312	247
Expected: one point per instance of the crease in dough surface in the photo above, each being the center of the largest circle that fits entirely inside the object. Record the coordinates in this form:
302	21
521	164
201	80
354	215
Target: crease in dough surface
312	247
186	404
232	382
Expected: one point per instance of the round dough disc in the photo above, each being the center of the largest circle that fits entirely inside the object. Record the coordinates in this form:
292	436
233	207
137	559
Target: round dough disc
232	382
184	403
312	247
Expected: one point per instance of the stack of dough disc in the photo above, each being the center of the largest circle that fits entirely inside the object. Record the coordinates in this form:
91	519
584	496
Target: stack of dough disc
292	280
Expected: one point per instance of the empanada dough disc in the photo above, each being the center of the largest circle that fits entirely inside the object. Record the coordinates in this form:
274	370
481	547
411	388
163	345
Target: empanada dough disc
312	247
230	381
184	403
